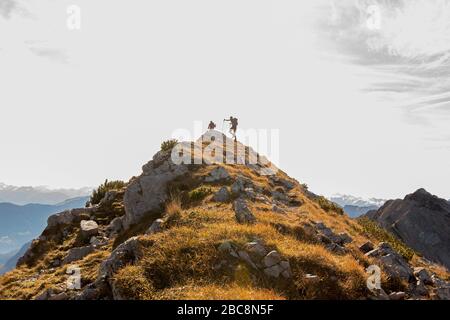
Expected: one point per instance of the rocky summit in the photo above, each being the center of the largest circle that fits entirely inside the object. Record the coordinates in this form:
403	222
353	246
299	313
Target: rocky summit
208	228
422	221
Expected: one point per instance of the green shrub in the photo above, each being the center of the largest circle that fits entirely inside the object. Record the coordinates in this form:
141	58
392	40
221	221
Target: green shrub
304	186
328	205
169	144
199	194
99	193
382	235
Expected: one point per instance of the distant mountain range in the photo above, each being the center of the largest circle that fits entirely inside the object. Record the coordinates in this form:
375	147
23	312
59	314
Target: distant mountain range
356	206
345	199
42	195
20	224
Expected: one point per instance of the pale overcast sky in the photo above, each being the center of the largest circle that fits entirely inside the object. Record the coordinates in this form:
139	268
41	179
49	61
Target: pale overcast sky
362	103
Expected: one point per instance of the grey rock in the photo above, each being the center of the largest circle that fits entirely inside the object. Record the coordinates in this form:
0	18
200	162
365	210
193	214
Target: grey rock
418	289
225	246
345	238
68	217
273	271
282	182
423	275
327	235
279	196
442	288
223	195
240	184
88	228
76	254
271	259
217	174
333	247
125	253
156	227
393	263
397	296
147	193
243	213
115	226
277	209
256	248
366	247
245	257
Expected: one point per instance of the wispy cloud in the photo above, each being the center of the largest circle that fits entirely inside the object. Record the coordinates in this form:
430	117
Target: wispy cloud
406	50
7	7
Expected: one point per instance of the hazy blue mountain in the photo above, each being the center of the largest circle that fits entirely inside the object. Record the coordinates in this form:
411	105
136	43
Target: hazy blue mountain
355	211
4	257
20	224
42	195
12	261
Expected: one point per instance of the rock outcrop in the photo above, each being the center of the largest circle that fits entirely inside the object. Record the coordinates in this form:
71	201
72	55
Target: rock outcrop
420	220
148	192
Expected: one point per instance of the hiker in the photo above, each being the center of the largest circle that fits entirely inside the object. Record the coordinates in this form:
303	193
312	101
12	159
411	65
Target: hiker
211	125
233	127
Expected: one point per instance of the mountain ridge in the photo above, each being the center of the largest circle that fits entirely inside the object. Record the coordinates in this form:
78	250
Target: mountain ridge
212	230
421	220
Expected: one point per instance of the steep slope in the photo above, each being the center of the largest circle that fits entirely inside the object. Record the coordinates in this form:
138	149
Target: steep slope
20	224
422	221
209	230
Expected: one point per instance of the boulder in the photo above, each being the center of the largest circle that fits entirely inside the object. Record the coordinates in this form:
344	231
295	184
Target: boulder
88	228
327	235
76	254
243	213
273	271
256	248
245	257
156	227
423	275
217	174
345	238
366	247
277	209
271	259
442	288
338	249
240	185
125	253
147	193
397	296
68	217
115	226
393	263
223	195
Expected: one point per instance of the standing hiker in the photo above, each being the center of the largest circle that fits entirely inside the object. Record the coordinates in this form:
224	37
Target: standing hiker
211	125
233	126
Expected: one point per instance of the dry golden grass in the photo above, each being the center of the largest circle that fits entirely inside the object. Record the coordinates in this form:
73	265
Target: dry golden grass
218	292
183	261
187	251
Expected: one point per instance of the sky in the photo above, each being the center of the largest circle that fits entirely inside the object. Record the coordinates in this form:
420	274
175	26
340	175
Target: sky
357	89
